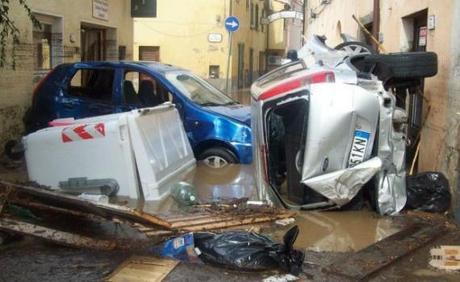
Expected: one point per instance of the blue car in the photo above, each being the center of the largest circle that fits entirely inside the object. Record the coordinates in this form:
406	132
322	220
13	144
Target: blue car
218	127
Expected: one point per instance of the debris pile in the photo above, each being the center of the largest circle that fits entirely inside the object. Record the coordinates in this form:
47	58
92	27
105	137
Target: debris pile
23	208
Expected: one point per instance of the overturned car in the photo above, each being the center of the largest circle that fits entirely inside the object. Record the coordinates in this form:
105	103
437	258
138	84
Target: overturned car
328	124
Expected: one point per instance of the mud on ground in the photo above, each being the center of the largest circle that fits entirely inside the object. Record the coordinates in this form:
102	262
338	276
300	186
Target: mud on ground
35	260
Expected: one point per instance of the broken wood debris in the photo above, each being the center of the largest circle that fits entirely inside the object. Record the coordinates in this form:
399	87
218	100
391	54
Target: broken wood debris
369	261
143	269
151	225
49	234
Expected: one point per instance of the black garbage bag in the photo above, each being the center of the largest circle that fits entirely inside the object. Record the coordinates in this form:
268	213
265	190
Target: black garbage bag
250	251
428	191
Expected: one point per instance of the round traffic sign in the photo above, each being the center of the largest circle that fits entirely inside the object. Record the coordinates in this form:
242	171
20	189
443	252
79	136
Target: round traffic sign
232	24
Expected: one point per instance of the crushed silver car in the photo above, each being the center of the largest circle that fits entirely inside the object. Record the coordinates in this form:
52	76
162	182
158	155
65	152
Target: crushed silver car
328	124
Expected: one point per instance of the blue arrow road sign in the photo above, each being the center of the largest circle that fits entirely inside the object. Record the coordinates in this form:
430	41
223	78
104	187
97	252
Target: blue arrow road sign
232	24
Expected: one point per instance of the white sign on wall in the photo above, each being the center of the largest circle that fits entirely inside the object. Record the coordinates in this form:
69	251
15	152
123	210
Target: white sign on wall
101	9
432	22
215	37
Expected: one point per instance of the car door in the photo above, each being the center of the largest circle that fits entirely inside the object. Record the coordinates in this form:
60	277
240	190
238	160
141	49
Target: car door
141	89
89	92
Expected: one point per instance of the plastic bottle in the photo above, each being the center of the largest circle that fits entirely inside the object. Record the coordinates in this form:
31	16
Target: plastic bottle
184	194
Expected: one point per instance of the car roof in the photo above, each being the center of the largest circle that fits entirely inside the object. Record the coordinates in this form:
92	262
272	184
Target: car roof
147	65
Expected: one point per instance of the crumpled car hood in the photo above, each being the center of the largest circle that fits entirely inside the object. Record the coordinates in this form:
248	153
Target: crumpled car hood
342	186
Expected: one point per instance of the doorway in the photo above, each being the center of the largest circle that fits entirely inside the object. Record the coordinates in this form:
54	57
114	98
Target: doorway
93	43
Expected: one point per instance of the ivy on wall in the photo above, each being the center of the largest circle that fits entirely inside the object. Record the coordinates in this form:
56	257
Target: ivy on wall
9	30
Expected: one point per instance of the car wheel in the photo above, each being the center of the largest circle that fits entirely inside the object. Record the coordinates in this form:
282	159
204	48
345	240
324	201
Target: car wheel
218	157
11	152
408	65
355	48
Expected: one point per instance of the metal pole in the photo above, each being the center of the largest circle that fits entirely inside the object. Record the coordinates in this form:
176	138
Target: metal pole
230	38
304	17
376	23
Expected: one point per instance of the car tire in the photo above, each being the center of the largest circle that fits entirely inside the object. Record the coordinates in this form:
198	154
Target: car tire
218	157
408	65
355	48
11	153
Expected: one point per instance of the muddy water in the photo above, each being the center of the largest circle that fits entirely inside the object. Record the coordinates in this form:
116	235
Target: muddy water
233	181
340	231
211	185
319	231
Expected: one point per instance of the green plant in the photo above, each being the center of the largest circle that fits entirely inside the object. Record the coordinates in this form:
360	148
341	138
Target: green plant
9	30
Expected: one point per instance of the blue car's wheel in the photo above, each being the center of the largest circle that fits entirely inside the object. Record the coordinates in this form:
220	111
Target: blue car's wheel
217	157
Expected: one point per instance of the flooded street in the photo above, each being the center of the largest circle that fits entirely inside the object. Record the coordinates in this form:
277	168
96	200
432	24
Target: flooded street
327	231
340	231
319	231
327	237
230	182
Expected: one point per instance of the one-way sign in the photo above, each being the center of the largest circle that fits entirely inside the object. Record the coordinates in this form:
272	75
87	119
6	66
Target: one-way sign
232	24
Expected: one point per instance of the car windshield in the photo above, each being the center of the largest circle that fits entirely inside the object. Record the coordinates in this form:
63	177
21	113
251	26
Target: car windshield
198	90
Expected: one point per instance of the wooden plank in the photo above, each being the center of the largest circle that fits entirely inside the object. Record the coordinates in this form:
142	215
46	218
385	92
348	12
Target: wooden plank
369	261
232	223
39	206
178	218
42	198
232	220
143	269
54	235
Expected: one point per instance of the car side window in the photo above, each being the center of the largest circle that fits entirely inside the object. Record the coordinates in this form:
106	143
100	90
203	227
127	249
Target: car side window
143	89
95	84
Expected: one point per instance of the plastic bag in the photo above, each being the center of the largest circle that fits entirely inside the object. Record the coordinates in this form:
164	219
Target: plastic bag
250	251
428	191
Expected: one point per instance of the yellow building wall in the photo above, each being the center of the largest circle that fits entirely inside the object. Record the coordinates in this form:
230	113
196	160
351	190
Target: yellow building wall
74	13
436	88
181	30
16	86
252	38
336	18
276	35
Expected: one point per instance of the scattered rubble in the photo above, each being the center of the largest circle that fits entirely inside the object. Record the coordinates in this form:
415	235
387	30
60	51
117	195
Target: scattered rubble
47	203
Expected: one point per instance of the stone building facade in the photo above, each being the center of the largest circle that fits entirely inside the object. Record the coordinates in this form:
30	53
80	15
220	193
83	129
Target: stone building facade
70	31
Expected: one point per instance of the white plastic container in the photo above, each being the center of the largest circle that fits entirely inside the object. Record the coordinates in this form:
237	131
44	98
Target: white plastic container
147	144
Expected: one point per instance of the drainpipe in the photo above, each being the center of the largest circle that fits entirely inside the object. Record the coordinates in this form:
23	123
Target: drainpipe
376	22
304	17
267	48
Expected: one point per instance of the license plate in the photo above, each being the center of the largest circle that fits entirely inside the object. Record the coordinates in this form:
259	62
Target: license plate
358	149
